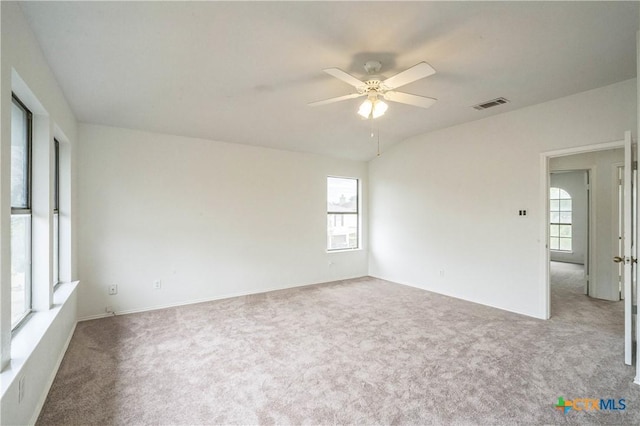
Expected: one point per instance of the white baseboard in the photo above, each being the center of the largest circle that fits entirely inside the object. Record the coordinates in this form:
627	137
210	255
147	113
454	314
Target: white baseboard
49	383
455	296
98	316
204	300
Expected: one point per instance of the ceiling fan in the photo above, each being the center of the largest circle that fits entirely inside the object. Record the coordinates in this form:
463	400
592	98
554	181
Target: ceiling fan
374	88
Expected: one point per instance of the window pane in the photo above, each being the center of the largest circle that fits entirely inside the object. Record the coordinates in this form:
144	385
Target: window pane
560	230
565	244
19	157
56	175
565	231
56	248
565	205
342	231
342	195
20	266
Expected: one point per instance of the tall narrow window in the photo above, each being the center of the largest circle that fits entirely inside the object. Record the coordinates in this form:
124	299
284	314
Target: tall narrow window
21	119
342	213
561	220
56	212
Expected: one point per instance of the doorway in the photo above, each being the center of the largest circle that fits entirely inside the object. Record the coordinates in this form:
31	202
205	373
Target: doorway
604	238
585	216
569	211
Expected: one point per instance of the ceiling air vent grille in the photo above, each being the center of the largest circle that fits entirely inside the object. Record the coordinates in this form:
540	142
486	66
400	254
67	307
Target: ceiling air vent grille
491	103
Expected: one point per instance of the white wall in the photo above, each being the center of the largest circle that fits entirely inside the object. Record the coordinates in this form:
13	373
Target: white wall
604	192
208	219
23	69
444	205
575	183
50	333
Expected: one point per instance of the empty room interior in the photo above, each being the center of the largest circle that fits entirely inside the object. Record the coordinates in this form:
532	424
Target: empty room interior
318	212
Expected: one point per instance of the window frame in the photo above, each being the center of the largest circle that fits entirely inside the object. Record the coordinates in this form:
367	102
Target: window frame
560	223
26	211
56	212
356	213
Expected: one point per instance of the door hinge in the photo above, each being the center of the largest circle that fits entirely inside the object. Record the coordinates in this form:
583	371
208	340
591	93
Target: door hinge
634	165
634	309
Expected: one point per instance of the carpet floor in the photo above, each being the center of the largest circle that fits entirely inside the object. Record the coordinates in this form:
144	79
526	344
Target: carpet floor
362	351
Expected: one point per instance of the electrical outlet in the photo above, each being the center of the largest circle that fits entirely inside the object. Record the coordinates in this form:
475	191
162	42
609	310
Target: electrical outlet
21	389
108	309
113	289
157	284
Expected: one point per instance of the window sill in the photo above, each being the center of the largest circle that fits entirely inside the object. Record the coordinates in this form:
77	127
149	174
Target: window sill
26	339
343	250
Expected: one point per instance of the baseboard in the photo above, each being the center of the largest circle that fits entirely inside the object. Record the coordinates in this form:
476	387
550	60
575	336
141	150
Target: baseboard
98	316
208	299
513	311
47	387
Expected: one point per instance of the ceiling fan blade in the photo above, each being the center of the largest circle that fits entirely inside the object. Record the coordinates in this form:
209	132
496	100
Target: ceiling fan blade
338	99
406	98
347	78
410	75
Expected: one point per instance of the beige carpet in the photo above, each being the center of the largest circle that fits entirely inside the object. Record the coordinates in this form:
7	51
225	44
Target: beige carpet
361	351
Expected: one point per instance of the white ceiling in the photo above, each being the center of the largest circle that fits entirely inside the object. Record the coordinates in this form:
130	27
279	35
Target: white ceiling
244	72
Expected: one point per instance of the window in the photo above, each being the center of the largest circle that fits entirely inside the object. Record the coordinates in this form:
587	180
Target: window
560	226
56	212
342	213
21	119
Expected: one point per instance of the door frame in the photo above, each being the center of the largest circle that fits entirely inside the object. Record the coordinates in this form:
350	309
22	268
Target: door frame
544	207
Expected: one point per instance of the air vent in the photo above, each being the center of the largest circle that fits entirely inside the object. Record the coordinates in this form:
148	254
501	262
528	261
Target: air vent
491	103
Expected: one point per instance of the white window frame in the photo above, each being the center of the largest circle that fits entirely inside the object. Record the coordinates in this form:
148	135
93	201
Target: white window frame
560	224
356	213
26	211
56	213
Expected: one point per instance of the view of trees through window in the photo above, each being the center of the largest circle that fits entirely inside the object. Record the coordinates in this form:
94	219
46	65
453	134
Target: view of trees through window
342	213
560	220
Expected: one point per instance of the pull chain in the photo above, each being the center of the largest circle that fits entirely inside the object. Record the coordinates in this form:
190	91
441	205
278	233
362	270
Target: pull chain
373	133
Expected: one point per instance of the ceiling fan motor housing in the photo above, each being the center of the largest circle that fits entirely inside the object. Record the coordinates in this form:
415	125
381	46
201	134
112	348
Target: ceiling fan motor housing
372	86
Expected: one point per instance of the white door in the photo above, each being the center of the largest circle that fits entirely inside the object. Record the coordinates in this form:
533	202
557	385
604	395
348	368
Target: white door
628	258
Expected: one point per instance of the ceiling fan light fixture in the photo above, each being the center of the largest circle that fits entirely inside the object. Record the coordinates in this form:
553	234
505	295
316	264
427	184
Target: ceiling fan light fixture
365	108
379	108
372	108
